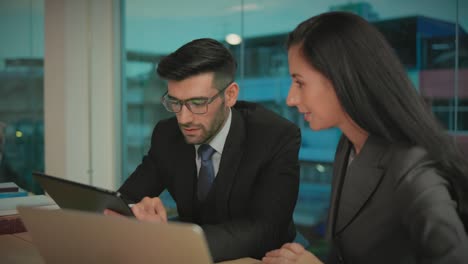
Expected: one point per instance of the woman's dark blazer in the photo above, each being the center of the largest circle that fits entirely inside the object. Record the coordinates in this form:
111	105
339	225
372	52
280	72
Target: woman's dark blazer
390	205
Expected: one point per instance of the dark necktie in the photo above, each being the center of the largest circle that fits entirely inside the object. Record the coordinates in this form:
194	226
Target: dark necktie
206	174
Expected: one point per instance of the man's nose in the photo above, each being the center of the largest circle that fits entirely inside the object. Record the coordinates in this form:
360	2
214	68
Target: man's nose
185	115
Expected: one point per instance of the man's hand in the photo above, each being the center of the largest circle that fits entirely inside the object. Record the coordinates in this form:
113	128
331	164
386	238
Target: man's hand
148	209
110	212
290	253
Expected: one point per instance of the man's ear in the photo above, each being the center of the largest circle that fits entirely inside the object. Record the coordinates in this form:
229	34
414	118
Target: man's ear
230	94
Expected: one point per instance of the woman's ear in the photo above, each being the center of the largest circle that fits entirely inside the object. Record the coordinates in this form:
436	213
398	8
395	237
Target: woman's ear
230	94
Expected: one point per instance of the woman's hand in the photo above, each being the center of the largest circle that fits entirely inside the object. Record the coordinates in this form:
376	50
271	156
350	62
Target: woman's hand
290	253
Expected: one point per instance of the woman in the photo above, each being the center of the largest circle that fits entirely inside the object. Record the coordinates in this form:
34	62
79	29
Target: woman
400	184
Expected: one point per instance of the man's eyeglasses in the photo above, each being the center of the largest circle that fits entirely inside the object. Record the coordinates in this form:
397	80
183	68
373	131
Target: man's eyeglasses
198	105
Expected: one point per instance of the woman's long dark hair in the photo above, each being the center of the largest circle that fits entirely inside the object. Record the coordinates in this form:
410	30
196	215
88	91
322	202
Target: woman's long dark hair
374	89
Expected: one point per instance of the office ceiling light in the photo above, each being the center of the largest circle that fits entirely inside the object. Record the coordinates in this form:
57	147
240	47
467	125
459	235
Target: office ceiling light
233	39
320	168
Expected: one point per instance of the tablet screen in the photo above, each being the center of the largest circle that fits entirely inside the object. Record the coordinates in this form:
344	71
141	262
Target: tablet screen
73	195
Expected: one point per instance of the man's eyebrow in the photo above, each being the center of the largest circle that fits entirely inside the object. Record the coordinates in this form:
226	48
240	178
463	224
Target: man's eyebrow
172	97
188	99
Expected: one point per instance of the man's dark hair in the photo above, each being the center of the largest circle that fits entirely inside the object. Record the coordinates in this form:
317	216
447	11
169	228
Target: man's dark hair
196	57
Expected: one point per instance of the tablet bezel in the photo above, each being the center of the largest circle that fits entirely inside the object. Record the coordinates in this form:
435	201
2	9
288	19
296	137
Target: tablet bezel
78	196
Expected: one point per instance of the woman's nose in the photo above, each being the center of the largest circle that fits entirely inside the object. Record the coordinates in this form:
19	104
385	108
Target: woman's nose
292	99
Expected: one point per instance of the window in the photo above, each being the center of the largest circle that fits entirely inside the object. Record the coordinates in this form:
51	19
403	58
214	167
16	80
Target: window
21	92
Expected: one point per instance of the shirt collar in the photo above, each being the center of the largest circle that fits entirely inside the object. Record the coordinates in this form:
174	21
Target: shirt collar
219	140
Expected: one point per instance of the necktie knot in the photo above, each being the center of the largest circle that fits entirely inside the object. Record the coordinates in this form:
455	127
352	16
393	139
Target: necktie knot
206	174
205	151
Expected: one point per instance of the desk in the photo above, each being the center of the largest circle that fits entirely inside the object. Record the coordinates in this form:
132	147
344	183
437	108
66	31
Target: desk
10	222
18	249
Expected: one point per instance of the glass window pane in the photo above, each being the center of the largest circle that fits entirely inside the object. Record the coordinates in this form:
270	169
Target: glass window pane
21	92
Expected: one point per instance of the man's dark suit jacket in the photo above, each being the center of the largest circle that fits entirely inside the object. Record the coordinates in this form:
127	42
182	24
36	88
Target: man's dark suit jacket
392	206
248	210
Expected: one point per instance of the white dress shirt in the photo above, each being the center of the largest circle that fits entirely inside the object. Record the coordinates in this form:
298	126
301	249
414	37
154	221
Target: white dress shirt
217	143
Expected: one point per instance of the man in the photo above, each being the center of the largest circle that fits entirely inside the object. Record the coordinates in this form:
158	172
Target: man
243	192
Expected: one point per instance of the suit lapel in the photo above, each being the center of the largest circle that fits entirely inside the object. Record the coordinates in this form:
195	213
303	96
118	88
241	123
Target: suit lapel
185	176
339	169
361	179
230	159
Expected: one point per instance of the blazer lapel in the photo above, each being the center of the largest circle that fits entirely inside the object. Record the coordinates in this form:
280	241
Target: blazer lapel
185	176
360	182
339	169
229	164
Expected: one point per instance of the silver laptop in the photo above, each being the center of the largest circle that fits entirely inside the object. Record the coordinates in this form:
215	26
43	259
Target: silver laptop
65	236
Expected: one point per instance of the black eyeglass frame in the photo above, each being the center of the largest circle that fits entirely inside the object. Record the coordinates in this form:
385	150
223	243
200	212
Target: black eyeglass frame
186	102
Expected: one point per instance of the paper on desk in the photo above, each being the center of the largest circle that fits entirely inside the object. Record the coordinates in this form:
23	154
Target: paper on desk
8	205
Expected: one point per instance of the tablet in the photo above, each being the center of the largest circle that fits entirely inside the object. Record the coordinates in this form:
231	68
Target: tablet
73	195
